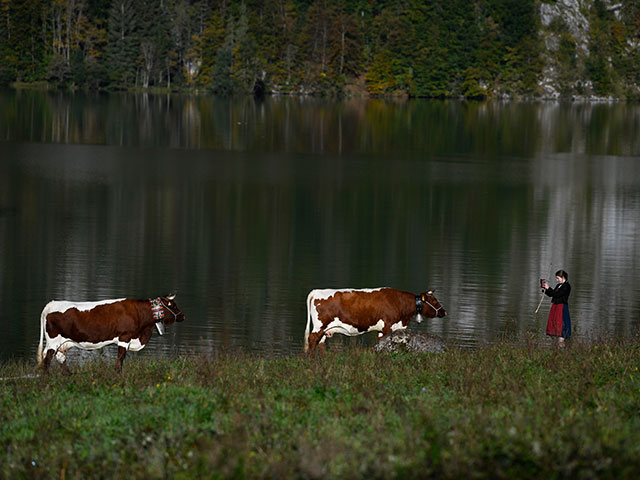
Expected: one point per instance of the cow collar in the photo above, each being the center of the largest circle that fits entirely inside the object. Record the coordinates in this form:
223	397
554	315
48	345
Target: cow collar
157	311
157	308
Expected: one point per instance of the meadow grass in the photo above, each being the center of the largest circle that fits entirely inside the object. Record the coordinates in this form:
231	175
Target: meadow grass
507	411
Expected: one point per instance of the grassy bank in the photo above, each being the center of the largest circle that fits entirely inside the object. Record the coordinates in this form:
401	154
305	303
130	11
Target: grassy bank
509	411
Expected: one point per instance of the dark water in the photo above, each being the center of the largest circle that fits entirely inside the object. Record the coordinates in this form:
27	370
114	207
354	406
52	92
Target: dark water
244	206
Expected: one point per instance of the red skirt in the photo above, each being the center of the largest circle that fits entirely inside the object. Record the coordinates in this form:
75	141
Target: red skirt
559	323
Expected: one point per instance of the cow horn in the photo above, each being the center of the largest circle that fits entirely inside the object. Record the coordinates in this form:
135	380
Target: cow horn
430	292
171	296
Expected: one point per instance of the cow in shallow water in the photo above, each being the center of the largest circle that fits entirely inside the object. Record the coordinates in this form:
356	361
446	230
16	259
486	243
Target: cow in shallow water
356	311
91	325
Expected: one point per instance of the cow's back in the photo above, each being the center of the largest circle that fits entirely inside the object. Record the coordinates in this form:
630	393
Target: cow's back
354	305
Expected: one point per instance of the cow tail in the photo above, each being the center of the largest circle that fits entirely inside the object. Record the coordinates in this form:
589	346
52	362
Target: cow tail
306	331
43	319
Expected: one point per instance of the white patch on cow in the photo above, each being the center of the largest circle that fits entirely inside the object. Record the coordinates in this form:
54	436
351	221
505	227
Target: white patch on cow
377	327
134	345
62	345
337	326
398	326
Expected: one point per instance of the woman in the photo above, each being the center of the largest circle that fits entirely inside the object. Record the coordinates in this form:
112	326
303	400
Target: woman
559	323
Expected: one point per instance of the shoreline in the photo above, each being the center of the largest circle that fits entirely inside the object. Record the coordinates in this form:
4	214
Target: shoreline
496	97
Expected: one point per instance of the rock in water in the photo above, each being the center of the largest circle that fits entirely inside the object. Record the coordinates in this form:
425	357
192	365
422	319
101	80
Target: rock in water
410	342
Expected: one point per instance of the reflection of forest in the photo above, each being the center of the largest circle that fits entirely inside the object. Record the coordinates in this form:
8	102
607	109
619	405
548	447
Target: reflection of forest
291	124
473	200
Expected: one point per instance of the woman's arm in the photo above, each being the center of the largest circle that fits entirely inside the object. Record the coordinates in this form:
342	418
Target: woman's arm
562	291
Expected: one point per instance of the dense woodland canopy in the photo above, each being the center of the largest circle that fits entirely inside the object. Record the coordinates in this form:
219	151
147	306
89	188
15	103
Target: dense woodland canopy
419	48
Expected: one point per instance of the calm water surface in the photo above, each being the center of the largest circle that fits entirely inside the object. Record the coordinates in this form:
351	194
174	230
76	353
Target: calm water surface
242	207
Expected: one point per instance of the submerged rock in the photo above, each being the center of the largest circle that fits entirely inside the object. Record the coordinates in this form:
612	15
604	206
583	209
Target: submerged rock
403	341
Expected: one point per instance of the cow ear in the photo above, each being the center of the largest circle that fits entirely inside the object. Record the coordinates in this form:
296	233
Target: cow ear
424	297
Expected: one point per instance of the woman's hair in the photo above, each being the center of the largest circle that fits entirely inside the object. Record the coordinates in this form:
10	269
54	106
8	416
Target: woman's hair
563	274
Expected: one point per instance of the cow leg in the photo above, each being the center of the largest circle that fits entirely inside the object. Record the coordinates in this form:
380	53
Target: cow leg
314	340
61	357
122	352
322	346
386	330
65	368
47	360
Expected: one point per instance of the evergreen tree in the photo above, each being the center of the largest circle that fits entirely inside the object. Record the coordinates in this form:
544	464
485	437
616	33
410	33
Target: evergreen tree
598	65
122	47
344	49
245	68
221	82
631	56
397	44
7	59
518	23
86	67
24	45
380	79
275	38
207	45
315	42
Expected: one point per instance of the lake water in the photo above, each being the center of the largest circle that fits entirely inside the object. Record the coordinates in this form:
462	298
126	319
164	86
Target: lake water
243	206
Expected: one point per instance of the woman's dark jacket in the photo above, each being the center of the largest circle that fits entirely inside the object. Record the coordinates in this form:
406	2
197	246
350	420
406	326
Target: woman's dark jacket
559	294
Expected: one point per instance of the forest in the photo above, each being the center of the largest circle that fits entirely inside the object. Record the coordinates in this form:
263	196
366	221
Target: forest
406	48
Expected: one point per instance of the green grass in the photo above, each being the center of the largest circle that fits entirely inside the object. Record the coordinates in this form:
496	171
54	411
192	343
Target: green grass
508	411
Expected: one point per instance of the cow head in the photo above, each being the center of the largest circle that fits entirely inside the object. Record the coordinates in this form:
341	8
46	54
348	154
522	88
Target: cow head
430	306
172	312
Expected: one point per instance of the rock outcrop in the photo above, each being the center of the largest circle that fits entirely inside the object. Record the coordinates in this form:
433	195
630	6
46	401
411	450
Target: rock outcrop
569	21
404	341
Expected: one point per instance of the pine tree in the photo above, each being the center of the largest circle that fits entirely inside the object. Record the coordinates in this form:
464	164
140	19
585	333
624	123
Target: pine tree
598	65
631	55
25	47
221	82
7	60
344	50
244	70
122	48
207	45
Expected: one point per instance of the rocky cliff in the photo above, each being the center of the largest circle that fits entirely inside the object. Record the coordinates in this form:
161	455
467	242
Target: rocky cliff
582	51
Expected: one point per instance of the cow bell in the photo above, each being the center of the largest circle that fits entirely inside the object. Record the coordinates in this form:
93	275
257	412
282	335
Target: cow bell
160	327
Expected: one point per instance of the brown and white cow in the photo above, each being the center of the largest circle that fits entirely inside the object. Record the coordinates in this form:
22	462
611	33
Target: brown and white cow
356	311
91	325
